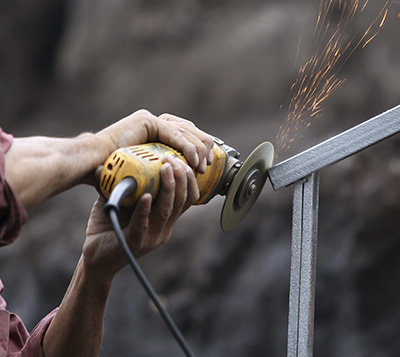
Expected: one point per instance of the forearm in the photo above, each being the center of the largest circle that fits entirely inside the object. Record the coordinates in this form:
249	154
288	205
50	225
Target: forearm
39	167
77	327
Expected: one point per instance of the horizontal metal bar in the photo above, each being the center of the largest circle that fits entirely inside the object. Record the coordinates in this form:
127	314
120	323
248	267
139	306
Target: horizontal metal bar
336	148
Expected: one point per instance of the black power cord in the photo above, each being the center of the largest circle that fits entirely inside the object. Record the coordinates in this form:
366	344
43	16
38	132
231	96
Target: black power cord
122	190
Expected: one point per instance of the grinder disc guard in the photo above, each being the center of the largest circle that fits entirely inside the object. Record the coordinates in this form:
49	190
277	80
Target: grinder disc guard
246	186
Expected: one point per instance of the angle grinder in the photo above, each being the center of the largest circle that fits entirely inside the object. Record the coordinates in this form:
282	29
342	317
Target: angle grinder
241	182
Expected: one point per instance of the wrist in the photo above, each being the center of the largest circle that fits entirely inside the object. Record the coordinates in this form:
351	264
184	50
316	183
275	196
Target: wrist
94	148
76	329
94	280
93	151
131	130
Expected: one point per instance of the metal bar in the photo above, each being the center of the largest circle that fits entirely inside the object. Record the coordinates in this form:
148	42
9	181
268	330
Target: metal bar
336	148
303	267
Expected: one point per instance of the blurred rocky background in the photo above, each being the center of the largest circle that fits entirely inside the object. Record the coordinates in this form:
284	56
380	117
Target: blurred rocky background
68	66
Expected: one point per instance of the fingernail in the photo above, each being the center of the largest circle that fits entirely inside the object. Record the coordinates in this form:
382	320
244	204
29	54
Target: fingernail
210	157
203	166
176	163
188	169
169	172
147	199
196	159
166	158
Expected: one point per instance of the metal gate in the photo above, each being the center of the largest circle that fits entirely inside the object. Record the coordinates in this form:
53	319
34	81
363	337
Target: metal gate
302	171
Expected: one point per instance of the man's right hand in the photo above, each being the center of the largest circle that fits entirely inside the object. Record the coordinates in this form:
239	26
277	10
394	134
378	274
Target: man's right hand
142	127
147	227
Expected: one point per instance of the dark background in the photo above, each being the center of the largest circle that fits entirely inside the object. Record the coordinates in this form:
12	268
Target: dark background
72	66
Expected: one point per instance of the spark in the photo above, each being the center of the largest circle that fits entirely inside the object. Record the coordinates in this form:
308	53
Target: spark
365	5
317	78
384	18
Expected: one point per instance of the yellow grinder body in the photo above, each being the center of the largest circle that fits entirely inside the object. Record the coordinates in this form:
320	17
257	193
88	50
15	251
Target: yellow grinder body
240	182
143	163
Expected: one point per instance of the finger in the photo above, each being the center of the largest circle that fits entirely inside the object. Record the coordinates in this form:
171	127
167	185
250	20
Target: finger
196	152
186	188
193	193
202	151
98	221
173	136
210	156
187	133
181	192
138	225
163	207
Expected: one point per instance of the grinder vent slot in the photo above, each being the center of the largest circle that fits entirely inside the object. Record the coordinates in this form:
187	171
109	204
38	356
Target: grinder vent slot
105	183
113	167
143	154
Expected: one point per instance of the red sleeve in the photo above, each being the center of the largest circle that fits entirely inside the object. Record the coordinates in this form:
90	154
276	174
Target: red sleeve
12	212
15	340
32	345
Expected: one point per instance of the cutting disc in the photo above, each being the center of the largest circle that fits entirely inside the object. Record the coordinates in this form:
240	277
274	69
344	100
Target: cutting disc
246	186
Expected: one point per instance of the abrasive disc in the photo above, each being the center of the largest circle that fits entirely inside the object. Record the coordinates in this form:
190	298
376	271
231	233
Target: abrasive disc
246	186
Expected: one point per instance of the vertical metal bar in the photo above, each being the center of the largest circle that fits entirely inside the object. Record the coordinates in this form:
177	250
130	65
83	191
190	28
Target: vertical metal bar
303	267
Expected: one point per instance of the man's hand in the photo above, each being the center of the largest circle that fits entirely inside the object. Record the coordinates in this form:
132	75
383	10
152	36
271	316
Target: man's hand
142	126
146	228
40	167
76	329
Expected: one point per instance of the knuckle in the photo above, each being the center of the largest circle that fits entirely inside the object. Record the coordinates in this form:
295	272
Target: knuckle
165	214
144	113
138	227
156	242
180	201
145	117
193	195
202	149
190	148
208	142
189	173
166	117
141	229
180	165
189	123
165	239
165	236
141	249
196	196
183	131
179	133
174	118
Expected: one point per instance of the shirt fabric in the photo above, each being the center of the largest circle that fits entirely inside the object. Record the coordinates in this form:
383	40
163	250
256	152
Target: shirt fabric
15	340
